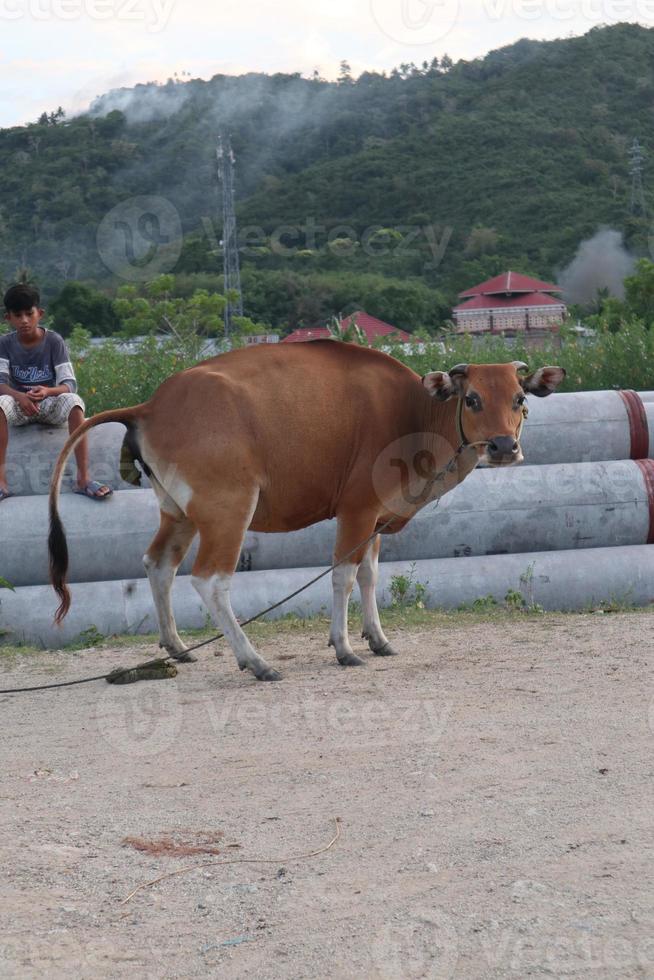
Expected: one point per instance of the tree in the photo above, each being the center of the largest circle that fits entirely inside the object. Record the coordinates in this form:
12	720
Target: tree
345	74
189	320
639	291
78	303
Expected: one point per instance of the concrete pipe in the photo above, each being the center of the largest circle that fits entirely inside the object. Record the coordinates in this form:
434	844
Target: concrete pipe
567	428
106	539
588	425
33	451
535	508
556	580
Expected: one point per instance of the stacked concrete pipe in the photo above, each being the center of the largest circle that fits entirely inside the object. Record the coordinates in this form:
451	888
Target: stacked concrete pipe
534	508
556	580
586	426
591	494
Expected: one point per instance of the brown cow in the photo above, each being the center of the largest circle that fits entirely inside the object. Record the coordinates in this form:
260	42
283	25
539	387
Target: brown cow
277	438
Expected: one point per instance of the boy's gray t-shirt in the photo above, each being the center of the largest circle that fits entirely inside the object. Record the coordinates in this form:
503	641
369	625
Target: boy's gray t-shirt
46	364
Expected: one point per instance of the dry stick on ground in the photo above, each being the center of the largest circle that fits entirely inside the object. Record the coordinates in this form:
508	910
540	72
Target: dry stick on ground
218	864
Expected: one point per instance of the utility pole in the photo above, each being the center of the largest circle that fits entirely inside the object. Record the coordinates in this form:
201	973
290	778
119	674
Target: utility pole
637	205
232	274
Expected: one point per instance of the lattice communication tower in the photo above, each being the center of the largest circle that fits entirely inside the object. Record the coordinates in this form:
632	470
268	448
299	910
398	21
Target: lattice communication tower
636	157
232	272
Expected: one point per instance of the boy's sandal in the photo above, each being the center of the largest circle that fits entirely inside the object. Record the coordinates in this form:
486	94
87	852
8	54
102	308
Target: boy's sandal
92	490
4	494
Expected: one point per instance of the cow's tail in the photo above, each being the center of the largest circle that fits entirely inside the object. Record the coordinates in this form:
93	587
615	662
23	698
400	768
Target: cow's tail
57	545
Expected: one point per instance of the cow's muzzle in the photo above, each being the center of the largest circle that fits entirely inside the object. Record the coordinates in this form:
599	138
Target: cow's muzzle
503	451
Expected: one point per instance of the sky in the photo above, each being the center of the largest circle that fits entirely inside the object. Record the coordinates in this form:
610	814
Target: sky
65	52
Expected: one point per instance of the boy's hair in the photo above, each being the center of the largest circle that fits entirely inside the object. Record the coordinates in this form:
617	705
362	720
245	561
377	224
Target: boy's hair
21	296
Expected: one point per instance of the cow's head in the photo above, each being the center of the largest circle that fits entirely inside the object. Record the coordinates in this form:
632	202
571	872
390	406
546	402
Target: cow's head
492	398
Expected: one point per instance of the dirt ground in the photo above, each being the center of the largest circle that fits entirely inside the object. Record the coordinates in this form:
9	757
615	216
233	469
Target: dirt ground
493	785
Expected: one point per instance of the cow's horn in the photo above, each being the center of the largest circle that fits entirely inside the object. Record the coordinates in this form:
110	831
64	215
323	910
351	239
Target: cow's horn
458	369
520	366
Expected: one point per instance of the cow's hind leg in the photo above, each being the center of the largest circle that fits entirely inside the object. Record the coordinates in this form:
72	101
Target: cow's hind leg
221	537
367	577
352	530
161	560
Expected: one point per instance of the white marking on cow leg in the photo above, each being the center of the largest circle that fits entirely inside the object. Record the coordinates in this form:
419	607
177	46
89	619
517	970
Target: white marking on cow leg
343	578
161	562
367	577
214	592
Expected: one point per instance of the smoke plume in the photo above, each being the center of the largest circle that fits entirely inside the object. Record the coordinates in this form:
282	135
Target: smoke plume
601	262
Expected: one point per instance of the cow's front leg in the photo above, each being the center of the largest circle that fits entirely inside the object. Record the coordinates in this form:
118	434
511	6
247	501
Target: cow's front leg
367	577
343	579
354	530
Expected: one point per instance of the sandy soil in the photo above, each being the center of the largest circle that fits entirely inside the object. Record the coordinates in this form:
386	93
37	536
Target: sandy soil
494	786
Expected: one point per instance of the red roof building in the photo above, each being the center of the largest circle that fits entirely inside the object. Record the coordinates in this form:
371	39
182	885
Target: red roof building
510	304
369	325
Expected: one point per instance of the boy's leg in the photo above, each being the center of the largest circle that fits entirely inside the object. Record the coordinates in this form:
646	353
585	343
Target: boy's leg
75	419
10	414
4	442
58	409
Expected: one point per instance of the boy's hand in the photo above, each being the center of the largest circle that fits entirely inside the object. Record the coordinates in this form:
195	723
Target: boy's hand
38	393
27	404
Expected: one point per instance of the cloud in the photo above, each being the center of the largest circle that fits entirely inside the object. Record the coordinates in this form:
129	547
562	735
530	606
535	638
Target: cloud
150	40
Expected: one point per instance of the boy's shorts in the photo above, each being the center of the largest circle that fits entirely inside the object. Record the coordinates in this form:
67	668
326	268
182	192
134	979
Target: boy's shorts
52	411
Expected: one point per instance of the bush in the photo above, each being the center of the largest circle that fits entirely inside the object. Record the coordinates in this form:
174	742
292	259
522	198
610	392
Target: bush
109	377
624	359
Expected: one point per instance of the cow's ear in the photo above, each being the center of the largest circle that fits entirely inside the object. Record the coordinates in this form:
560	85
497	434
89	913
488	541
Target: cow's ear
444	384
544	381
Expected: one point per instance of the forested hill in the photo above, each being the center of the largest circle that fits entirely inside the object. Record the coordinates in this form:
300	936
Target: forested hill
521	154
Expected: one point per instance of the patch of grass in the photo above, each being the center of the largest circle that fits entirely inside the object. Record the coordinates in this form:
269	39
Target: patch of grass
614	604
483	610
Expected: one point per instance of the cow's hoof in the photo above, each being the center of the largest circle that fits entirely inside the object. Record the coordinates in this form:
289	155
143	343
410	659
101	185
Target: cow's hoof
269	674
385	651
184	657
350	660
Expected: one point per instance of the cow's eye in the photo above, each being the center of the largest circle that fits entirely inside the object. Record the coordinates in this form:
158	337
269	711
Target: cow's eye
520	400
472	401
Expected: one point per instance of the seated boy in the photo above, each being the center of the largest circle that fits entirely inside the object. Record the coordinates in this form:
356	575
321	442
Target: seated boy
37	383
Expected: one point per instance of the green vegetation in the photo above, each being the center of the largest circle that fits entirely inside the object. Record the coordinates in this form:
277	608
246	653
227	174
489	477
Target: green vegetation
174	332
388	193
406	591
